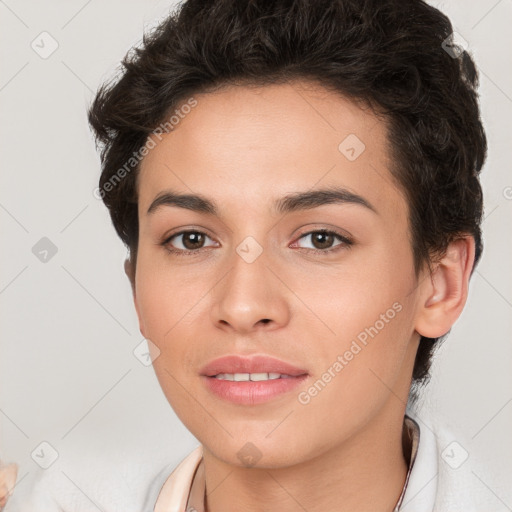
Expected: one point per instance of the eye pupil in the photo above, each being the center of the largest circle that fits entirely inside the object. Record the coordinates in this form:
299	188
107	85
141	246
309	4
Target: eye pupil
326	237
196	238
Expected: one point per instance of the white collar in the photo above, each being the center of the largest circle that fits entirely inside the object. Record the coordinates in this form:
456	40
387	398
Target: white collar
421	487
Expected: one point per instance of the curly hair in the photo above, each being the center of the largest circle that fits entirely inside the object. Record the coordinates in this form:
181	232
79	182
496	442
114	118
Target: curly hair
397	57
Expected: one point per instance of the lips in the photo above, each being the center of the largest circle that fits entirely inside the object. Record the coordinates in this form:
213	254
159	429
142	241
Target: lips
258	364
253	380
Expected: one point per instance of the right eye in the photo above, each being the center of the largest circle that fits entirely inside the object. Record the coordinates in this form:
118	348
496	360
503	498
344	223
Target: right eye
192	242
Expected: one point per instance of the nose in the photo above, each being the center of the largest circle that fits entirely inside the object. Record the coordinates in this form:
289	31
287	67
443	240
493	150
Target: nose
250	297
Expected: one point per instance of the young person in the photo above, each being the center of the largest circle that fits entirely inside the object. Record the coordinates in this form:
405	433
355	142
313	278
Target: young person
297	184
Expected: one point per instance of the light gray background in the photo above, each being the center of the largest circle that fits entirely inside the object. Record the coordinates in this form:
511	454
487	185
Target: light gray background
68	374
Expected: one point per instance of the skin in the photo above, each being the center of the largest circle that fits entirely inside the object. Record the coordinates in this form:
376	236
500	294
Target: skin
243	148
8	475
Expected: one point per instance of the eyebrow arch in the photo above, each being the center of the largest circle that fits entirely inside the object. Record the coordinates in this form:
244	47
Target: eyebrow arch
290	203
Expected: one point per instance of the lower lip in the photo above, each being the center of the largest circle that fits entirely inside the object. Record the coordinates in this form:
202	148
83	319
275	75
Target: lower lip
251	392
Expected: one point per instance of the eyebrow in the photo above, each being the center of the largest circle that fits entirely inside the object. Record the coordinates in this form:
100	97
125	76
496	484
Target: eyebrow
290	203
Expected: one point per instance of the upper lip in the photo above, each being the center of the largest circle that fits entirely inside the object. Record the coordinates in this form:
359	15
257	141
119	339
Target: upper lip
250	364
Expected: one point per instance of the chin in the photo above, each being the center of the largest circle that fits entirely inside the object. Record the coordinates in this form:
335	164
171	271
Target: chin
255	450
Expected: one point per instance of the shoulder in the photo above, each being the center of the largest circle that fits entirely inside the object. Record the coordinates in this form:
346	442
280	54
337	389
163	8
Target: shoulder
444	477
130	486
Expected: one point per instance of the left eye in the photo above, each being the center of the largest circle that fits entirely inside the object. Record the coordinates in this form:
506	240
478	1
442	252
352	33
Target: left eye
322	240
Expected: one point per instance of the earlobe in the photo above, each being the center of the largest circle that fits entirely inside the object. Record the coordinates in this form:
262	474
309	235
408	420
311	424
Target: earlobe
445	291
130	272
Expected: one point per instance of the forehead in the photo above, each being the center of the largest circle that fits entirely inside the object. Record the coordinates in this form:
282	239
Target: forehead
247	143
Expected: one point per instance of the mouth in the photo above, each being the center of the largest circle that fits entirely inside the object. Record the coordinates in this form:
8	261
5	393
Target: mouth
253	377
251	380
259	367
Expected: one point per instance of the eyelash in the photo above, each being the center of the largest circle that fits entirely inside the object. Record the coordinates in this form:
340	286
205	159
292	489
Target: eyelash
346	243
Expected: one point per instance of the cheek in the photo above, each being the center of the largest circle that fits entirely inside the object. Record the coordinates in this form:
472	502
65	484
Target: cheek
171	305
358	370
166	298
347	299
369	310
371	332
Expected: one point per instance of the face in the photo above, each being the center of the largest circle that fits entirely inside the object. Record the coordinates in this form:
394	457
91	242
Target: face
324	283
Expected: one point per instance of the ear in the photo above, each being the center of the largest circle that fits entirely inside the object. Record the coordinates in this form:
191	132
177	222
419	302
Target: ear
445	291
129	270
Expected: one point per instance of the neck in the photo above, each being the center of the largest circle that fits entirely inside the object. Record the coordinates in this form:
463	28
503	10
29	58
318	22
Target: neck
365	472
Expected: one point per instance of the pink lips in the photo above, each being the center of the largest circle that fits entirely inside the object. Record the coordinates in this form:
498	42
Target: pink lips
251	392
250	364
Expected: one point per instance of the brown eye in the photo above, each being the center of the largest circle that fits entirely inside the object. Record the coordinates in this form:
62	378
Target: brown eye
323	240
191	242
